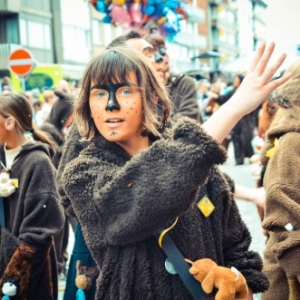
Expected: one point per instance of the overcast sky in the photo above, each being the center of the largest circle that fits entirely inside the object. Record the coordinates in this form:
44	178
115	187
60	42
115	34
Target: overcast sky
283	22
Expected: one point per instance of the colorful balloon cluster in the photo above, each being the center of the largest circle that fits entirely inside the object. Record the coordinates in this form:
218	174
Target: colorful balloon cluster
144	15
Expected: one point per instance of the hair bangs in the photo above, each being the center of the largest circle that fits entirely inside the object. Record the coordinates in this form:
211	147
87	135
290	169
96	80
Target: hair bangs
111	68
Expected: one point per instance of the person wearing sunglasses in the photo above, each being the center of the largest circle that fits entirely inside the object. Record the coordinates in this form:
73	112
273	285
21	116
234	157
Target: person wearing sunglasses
181	87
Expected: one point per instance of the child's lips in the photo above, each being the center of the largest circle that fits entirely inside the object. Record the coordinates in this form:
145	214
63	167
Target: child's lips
114	122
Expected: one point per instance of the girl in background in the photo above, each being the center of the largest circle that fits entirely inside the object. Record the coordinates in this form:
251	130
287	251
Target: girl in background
29	205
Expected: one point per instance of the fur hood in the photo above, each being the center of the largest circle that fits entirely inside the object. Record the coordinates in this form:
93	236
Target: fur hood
282	127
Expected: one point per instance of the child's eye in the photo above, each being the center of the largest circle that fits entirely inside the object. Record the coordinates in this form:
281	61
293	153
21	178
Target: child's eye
125	92
101	94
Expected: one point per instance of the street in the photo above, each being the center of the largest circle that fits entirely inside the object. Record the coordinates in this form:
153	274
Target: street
241	174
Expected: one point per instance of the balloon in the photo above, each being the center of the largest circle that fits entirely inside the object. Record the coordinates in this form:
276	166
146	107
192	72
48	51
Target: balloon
101	6
148	7
119	12
144	14
107	19
135	12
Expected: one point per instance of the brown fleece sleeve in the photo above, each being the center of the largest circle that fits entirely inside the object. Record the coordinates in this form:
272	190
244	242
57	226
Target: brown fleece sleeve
20	265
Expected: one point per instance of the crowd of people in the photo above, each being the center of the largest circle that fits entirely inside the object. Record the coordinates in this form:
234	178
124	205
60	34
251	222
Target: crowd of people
131	163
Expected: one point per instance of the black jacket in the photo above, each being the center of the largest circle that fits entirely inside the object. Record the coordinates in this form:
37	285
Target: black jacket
33	217
183	94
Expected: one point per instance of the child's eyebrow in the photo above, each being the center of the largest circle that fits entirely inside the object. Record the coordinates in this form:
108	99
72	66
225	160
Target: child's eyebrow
105	86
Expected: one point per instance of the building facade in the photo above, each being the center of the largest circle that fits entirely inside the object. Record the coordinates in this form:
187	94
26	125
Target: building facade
70	32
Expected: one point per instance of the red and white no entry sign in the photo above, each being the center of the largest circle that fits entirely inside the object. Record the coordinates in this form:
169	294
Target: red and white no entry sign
21	62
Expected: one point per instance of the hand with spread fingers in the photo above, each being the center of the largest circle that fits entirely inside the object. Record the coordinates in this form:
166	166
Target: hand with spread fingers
257	85
255	88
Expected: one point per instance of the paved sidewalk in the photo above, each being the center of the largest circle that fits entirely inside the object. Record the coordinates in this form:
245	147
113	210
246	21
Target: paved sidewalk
241	174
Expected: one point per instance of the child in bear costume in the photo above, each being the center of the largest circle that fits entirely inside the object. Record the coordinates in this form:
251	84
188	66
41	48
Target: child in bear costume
138	175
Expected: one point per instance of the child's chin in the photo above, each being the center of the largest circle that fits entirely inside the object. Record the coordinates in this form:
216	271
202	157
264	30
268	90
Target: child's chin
113	137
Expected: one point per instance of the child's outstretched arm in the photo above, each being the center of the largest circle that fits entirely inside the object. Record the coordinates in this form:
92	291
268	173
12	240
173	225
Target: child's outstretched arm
255	88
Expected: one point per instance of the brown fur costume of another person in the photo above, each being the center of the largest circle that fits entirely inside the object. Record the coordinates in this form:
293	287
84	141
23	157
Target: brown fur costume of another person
280	155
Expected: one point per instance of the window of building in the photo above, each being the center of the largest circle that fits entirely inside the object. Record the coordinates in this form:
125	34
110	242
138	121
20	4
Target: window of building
12	31
35	34
23	32
173	51
38	5
108	33
183	26
74	36
97	32
227	37
184	53
190	28
226	15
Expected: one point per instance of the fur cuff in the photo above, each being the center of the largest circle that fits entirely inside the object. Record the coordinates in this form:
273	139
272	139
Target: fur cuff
190	132
18	270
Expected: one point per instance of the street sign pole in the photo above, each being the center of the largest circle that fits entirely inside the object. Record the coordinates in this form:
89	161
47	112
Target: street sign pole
23	83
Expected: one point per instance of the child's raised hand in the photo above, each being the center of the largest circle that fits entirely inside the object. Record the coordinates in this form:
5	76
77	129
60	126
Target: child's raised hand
255	88
257	85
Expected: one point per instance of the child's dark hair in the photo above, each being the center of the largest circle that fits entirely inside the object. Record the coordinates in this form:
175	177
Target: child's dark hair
17	106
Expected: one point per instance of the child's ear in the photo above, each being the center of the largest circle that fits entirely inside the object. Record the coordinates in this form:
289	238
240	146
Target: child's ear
10	123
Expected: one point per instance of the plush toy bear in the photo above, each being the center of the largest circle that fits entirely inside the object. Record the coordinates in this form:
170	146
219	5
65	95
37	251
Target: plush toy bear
84	278
6	185
230	282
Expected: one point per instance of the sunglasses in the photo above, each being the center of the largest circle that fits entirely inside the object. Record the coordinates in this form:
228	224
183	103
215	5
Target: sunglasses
159	53
162	51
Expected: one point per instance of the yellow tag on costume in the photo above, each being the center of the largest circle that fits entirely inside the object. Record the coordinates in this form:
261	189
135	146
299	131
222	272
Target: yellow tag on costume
271	152
15	182
206	206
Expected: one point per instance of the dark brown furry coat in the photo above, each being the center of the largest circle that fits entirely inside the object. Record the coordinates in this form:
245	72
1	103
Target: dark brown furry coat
33	216
282	252
121	201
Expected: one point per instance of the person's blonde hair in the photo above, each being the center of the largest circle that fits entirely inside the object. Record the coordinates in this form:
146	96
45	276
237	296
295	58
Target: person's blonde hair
113	66
291	92
48	94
